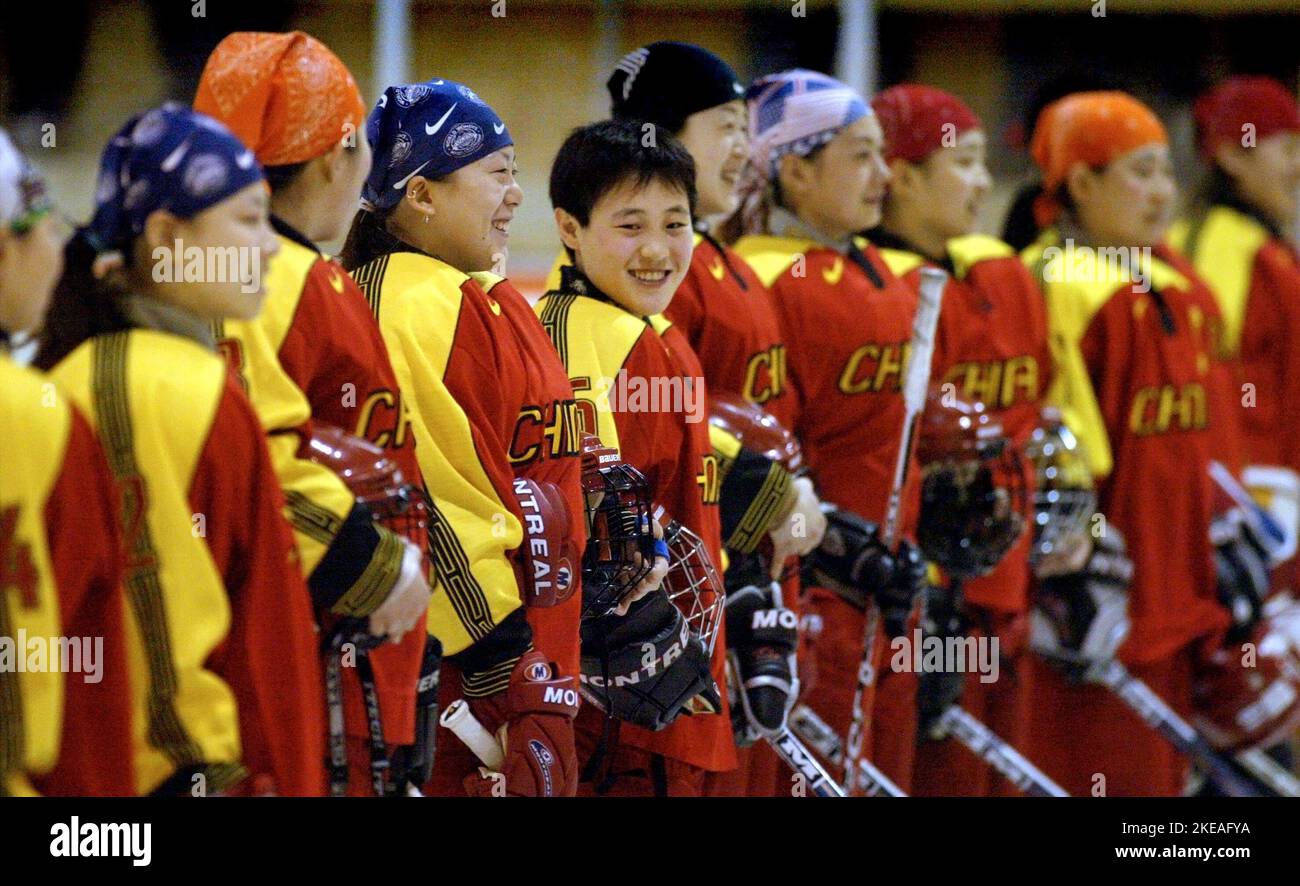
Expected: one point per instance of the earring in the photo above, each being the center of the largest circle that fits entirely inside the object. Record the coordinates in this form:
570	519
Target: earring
426	219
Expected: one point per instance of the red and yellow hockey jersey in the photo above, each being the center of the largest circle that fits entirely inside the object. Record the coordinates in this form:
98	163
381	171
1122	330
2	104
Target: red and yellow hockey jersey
847	323
1134	378
65	725
489	402
600	343
726	314
314	354
222	658
992	345
1255	277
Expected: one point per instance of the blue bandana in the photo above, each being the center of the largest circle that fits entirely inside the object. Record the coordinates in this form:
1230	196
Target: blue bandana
429	129
168	158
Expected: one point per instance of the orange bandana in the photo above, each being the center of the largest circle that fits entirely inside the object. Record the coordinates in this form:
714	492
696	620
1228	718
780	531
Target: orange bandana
285	95
1087	127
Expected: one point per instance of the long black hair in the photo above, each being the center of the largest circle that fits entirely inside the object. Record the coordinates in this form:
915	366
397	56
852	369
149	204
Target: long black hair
82	306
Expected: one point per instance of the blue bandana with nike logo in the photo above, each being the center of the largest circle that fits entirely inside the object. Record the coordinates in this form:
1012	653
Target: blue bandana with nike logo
429	129
168	158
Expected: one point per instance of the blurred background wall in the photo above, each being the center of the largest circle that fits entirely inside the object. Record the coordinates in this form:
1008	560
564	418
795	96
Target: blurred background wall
542	63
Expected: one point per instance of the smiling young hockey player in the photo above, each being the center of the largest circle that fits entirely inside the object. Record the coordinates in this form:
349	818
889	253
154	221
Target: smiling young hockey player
723	309
623	206
495	426
1133	357
61	731
817	156
1238	240
226	687
991	345
314	355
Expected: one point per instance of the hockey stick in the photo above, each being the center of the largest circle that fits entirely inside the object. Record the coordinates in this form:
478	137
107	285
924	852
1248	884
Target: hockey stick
792	751
1268	771
986	745
915	385
1153	710
462	723
805	723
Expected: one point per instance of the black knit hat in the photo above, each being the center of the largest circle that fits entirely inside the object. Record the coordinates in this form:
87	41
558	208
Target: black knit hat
666	82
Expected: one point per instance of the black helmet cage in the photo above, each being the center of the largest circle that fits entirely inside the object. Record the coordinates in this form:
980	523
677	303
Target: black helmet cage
620	540
973	509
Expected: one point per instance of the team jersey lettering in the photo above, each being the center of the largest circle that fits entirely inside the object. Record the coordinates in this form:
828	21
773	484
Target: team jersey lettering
997	383
873	366
1158	410
765	375
551	432
710	480
384	419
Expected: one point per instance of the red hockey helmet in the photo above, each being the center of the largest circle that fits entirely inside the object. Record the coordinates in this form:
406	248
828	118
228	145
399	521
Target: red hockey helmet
547	553
620	539
756	429
1246	697
973	486
373	477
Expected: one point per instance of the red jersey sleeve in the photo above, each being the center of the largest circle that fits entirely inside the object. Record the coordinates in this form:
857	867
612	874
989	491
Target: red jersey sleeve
269	658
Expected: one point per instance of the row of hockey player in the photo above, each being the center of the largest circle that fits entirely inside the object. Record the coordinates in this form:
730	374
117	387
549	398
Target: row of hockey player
271	626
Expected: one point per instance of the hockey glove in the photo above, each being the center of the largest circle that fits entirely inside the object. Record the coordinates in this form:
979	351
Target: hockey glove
762	681
532	718
1241	570
646	667
939	690
1080	619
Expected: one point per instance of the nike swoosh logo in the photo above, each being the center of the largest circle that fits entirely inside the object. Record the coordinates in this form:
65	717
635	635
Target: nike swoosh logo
716	269
833	274
401	184
336	280
172	160
433	130
245	160
436	82
498	128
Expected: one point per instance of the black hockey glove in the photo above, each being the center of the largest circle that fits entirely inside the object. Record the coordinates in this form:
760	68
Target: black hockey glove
762	681
853	562
1080	619
646	667
1241	568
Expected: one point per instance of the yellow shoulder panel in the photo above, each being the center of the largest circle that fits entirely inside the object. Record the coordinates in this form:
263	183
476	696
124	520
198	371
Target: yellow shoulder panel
1222	246
900	261
968	251
768	255
553	277
285	277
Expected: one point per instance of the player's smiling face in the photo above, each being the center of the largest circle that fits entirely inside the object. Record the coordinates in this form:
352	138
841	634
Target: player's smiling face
719	144
841	190
636	247
464	218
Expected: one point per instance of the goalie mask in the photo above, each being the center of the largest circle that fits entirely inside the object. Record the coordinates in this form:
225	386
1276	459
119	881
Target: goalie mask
620	542
1248	695
1064	500
373	477
973	487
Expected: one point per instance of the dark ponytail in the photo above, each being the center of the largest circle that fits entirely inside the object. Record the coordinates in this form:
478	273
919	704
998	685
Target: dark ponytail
82	306
368	239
